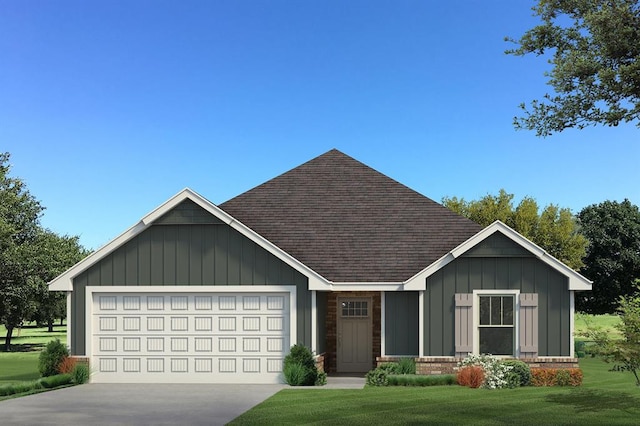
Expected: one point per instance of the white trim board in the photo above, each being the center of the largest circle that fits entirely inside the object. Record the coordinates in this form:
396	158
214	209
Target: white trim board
576	280
64	282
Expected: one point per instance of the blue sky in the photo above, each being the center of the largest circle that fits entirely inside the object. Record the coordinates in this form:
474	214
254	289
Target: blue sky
109	108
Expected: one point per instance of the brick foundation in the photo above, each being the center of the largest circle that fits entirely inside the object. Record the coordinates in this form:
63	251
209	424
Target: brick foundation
449	365
331	326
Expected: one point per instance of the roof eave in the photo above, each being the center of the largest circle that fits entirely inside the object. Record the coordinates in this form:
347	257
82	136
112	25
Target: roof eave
577	282
64	282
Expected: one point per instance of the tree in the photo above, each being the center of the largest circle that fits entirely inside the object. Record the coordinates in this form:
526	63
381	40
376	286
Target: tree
613	255
554	229
623	353
51	255
595	67
19	221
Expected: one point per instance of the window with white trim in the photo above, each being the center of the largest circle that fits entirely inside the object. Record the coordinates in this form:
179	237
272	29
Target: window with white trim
496	331
355	309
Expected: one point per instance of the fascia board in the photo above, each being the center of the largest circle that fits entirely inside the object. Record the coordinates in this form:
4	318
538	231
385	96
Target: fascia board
576	280
366	286
64	281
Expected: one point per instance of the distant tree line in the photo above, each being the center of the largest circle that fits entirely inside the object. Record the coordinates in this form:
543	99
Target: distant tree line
30	256
602	241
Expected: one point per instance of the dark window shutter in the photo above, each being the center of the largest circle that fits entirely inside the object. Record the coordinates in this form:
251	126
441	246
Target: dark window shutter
528	325
464	324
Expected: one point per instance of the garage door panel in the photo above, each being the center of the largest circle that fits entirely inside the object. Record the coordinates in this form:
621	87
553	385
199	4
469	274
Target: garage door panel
190	338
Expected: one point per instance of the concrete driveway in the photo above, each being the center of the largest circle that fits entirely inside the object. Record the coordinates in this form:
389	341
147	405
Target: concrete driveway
135	404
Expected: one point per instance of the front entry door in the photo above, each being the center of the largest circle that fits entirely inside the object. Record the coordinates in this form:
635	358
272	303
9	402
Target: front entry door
354	334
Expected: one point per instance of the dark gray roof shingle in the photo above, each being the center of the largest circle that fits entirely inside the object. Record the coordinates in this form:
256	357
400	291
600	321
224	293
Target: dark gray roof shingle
349	222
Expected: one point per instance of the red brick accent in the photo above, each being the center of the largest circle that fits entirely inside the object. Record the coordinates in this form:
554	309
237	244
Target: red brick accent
331	326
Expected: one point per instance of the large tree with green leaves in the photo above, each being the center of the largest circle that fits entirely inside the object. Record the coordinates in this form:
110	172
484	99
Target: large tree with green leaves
51	255
19	225
554	228
593	48
613	255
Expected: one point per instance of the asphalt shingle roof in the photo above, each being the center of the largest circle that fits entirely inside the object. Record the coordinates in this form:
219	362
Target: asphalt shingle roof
349	222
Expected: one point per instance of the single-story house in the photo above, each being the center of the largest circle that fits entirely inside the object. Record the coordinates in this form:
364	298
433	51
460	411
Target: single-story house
331	254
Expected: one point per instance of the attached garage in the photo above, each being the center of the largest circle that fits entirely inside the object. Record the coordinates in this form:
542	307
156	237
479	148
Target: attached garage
210	336
187	295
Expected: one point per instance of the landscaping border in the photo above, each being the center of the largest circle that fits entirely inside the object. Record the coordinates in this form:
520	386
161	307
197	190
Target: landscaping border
449	365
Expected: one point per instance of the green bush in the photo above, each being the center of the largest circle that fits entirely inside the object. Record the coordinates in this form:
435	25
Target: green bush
520	373
378	376
49	382
407	366
15	388
579	347
321	379
296	374
80	373
563	377
299	367
55	381
51	357
421	380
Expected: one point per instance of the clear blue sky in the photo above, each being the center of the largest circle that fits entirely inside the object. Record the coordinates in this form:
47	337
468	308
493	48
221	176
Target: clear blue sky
111	107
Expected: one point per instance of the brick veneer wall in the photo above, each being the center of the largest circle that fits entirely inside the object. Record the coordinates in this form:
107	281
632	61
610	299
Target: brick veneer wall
449	365
331	325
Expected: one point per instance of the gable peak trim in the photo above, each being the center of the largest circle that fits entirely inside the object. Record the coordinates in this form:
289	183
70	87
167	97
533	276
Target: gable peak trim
576	280
64	282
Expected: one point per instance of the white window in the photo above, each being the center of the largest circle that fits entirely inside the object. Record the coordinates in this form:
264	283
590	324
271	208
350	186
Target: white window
496	331
499	322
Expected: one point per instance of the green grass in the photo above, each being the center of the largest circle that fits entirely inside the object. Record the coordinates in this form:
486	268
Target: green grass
605	322
605	398
21	364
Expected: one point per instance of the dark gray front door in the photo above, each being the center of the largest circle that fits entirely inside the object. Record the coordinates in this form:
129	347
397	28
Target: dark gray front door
354	334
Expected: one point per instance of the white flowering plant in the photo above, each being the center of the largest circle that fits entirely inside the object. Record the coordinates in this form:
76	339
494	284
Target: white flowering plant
496	373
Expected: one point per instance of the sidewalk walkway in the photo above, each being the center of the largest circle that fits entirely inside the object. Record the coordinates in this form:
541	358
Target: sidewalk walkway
344	382
337	382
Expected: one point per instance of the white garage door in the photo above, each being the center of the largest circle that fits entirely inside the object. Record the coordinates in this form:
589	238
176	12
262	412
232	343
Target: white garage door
189	337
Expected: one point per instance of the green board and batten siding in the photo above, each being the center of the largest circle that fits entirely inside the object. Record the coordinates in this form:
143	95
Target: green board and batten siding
497	263
189	246
401	323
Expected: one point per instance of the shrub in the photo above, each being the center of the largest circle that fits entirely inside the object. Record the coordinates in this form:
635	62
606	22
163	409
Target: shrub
67	365
562	378
520	373
18	388
296	374
556	377
406	366
55	381
579	349
80	373
51	357
321	378
299	366
378	376
421	380
471	376
575	377
495	372
543	376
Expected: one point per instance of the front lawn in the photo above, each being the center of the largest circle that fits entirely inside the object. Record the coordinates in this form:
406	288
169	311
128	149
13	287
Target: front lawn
606	322
21	364
605	398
